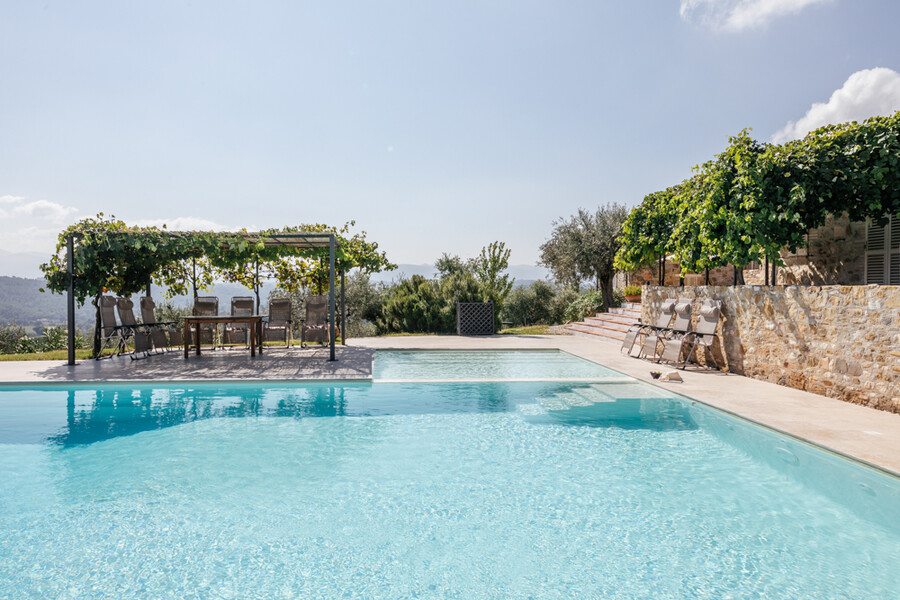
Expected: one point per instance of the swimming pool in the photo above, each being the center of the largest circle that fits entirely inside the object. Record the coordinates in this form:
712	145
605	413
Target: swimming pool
461	489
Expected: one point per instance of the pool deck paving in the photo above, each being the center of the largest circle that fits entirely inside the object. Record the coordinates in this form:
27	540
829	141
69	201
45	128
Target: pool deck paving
869	435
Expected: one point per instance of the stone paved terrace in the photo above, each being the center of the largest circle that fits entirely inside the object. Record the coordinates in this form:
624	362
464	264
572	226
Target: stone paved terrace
867	434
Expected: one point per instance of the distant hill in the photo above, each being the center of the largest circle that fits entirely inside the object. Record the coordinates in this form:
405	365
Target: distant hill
22	301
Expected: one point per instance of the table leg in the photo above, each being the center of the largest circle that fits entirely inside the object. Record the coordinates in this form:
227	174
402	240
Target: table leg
197	333
259	335
252	340
187	337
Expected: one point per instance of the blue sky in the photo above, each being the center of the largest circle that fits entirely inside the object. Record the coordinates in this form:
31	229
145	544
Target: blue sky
437	126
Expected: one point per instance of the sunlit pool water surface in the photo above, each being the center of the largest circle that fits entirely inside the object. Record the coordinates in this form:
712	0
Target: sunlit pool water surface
465	489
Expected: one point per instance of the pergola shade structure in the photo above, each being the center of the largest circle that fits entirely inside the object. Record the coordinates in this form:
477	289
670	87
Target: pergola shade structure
299	239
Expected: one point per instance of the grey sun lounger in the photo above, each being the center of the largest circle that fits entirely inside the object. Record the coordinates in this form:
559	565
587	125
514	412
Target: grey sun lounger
140	333
111	333
680	325
165	335
703	337
666	310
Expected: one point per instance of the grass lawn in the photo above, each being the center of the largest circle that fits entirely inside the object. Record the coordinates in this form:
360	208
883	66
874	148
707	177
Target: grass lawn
54	355
529	330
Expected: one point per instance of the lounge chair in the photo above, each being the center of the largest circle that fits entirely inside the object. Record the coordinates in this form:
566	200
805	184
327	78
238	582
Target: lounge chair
206	306
111	333
680	326
140	333
280	320
238	333
165	334
315	328
666	310
704	336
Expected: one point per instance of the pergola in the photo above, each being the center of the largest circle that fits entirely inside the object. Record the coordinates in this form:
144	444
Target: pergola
303	239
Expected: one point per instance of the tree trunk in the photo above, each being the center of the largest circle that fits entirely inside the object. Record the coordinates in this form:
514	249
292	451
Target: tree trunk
98	326
606	288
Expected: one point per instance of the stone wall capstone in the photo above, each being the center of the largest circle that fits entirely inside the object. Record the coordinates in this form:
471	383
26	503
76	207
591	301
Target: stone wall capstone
838	341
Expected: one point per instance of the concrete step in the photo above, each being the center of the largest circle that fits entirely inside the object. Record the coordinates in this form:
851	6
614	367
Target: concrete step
609	326
611	319
604	324
600	332
631	312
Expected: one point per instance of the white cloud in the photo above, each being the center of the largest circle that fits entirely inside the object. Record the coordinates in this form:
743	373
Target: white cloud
866	93
32	226
738	15
185	224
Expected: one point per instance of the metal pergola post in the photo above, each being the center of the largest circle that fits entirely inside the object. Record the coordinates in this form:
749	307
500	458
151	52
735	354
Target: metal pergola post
343	312
70	298
331	294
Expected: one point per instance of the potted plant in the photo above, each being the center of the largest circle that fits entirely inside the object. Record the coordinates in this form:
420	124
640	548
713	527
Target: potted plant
632	293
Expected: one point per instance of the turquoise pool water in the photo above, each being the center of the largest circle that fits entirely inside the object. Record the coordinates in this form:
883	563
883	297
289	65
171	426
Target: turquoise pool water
425	490
490	365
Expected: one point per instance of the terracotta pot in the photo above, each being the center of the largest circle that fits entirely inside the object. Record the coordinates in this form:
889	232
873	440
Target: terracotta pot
633	299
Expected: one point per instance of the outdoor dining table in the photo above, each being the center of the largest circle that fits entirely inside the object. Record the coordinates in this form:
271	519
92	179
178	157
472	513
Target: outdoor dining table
255	322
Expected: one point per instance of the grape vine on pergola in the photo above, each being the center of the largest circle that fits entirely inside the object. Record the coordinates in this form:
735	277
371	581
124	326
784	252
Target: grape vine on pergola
139	253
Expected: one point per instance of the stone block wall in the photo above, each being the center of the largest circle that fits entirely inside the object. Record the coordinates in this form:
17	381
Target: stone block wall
838	341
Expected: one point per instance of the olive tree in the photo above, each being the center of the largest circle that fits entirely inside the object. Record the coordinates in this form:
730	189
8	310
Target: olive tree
584	246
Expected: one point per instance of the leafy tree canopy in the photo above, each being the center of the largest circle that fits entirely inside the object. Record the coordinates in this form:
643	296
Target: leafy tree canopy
755	199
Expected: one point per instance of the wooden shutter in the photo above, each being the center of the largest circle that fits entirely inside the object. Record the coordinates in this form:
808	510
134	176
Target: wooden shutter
875	253
894	250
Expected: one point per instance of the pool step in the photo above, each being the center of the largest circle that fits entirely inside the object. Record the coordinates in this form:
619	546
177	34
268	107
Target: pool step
609	326
596	393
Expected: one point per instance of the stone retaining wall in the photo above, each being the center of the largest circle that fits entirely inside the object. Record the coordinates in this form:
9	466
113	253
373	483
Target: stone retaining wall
838	341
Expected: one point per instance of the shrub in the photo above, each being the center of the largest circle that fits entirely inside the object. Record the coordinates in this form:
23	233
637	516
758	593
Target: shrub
561	300
531	305
586	304
13	340
631	290
365	301
10	334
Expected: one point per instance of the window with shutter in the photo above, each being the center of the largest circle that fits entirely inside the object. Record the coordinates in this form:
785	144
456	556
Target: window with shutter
883	252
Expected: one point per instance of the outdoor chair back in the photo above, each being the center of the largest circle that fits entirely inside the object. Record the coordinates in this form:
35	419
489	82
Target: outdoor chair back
681	324
315	328
206	306
241	306
280	320
666	310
